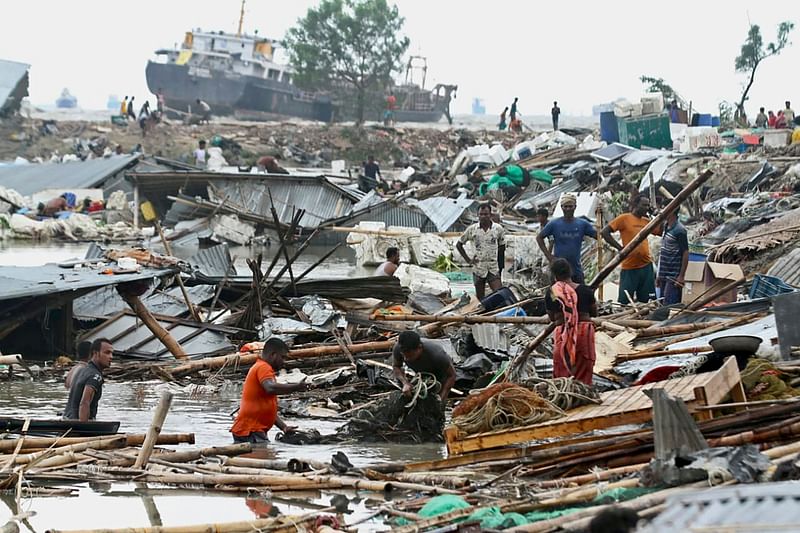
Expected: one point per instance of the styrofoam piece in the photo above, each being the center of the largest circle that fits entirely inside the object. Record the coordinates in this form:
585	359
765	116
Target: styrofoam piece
427	247
652	103
406	174
697	137
586	206
230	228
498	154
480	149
338	166
420	279
777	138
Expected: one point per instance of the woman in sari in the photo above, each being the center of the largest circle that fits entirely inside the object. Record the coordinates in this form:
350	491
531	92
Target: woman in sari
571	306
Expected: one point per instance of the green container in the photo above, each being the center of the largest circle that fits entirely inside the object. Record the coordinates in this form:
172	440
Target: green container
651	131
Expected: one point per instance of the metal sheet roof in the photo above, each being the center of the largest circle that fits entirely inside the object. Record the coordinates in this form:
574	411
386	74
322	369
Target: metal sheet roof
106	302
548	196
30	179
11	72
132	339
320	199
444	212
213	262
21	282
787	268
756	508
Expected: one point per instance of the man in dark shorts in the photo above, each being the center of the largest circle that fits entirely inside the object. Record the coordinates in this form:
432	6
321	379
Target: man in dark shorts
489	240
422	355
87	385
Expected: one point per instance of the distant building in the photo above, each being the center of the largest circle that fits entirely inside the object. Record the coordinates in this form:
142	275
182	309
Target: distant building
478	107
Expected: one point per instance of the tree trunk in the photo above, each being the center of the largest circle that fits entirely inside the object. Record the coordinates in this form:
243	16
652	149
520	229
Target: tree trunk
740	114
360	104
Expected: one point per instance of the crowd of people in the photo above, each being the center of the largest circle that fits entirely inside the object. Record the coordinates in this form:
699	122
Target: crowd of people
784	119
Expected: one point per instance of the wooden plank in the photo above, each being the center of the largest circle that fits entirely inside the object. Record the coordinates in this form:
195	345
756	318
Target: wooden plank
722	382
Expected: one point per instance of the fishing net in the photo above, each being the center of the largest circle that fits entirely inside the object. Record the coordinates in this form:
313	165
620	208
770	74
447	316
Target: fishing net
501	406
397	418
564	393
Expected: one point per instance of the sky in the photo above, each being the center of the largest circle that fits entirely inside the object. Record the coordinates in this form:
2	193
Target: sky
580	53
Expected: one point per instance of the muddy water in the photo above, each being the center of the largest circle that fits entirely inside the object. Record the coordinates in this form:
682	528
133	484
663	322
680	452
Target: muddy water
206	414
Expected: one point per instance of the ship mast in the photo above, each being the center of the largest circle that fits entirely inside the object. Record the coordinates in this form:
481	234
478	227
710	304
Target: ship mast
241	20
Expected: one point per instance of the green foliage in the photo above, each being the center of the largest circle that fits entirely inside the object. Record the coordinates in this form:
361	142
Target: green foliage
658	85
726	113
353	42
753	52
445	263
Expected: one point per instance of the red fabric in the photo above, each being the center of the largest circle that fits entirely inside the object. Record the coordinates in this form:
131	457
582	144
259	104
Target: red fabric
563	293
584	354
658	374
258	410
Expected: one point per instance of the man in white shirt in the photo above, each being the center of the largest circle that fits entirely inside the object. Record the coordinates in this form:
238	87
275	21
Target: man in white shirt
200	155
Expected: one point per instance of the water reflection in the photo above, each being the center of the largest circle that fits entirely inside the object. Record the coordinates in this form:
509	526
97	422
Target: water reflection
115	505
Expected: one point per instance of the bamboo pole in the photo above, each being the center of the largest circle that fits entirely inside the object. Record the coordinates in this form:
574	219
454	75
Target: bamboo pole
482	319
155	430
583	479
241	359
15	359
273	525
130	440
660	353
665	331
194	455
152	324
104	444
648	229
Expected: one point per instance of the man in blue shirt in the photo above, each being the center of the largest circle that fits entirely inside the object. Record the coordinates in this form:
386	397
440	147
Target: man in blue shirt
567	233
673	260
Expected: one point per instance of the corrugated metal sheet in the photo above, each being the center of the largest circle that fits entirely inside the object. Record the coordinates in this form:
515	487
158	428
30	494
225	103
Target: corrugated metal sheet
490	337
756	508
213	262
21	282
106	302
548	196
320	199
132	339
787	268
444	212
393	215
30	179
11	73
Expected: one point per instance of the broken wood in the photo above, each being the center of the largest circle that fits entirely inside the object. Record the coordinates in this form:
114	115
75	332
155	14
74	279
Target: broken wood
152	324
155	429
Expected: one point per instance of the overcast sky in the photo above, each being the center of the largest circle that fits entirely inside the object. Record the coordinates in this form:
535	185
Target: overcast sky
579	53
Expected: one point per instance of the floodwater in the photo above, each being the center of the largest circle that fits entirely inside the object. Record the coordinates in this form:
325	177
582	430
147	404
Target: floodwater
206	414
203	411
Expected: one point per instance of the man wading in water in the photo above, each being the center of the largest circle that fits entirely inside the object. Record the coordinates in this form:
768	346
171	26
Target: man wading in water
86	386
258	411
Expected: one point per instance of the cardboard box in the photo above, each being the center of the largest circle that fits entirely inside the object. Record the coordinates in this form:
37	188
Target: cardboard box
703	277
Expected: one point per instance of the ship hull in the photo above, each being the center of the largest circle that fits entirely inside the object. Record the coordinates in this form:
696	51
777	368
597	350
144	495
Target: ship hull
230	94
255	98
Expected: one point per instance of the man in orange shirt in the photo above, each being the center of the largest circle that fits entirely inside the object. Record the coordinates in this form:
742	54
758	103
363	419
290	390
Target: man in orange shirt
258	411
638	278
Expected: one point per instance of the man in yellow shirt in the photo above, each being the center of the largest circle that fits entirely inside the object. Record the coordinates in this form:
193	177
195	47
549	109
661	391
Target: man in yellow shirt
123	107
638	278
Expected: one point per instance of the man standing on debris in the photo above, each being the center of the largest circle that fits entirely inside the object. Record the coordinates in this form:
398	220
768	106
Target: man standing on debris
761	119
200	154
571	307
84	352
513	112
673	260
131	110
555	113
502	125
542	216
371	169
422	356
489	240
86	386
389	267
258	411
789	114
123	107
637	278
205	111
567	233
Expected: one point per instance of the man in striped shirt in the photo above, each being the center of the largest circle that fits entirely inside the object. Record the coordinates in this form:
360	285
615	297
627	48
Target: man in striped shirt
673	260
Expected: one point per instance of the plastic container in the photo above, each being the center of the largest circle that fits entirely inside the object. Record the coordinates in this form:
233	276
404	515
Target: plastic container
693	256
127	263
704	120
500	298
148	211
715	122
609	132
765	286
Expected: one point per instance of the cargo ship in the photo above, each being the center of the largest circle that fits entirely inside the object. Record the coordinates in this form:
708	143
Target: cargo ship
239	75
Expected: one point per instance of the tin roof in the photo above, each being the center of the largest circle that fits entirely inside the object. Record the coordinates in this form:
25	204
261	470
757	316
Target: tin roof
761	508
32	178
22	282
